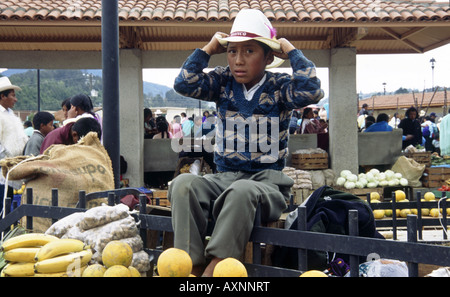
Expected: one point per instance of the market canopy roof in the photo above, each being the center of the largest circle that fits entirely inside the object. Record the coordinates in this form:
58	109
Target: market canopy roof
370	26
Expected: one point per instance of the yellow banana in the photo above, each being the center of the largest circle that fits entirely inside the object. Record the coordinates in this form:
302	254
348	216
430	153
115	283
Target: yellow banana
75	273
25	254
19	269
27	240
63	263
58	248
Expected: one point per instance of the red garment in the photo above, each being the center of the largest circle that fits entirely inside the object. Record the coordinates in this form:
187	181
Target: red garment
61	135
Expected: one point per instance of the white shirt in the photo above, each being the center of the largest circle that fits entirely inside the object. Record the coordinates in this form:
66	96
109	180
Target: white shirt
249	94
9	111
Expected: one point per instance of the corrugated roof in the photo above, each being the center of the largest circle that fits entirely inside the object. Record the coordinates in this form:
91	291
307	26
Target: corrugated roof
407	100
371	26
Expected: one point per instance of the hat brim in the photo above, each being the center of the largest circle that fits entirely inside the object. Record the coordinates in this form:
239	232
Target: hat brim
10	87
272	43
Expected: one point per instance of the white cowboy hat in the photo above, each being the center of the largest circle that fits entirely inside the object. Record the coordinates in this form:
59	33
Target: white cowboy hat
5	84
253	24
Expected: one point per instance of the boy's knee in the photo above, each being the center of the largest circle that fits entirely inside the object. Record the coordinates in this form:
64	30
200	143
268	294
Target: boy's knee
181	185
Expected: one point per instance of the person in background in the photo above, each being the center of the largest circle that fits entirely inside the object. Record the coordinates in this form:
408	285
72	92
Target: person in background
177	131
381	124
395	121
310	125
65	107
444	135
162	126
412	131
149	124
81	106
28	128
43	124
363	109
12	135
71	132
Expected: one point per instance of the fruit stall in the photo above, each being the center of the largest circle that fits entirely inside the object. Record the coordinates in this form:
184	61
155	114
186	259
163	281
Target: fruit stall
92	231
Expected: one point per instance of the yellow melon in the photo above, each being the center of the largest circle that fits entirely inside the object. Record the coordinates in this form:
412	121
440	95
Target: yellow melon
230	267
117	271
117	252
399	195
134	272
94	270
174	262
313	273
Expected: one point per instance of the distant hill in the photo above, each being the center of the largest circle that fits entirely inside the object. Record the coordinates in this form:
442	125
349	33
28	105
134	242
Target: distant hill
56	85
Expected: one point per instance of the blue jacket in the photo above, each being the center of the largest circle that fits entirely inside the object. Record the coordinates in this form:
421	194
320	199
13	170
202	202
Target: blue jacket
379	127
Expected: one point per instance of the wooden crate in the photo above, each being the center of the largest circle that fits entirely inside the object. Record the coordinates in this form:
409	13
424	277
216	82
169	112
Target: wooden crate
362	193
434	177
421	158
310	161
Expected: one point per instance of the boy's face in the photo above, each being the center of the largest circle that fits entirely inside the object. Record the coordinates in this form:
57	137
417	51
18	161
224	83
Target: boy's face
45	129
247	61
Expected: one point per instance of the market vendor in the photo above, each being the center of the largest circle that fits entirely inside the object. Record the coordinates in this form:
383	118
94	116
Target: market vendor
412	131
12	135
249	164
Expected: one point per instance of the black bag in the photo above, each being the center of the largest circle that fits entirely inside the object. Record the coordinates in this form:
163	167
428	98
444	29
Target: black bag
327	212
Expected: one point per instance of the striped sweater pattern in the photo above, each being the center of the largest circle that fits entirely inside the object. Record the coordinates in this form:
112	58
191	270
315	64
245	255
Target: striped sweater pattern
251	135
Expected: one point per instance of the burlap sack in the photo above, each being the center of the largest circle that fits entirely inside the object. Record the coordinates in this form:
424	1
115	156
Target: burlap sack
410	169
68	168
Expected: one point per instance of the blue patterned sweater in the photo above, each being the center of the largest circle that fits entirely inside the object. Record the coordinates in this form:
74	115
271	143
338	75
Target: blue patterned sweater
251	135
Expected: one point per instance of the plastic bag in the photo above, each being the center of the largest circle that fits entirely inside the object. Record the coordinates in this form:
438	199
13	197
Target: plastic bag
99	237
61	227
141	261
383	268
104	214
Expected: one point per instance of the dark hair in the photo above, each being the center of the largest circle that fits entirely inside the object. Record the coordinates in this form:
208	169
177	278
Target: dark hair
162	126
411	109
6	93
84	102
382	117
42	117
28	124
66	103
306	111
85	125
147	112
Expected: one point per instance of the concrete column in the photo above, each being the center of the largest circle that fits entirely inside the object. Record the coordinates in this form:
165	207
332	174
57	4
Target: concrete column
132	115
343	110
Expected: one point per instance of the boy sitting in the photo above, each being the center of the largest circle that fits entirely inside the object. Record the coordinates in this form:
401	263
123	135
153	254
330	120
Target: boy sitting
254	108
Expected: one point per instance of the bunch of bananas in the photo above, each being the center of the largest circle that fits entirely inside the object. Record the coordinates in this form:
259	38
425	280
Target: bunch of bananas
37	254
63	257
20	252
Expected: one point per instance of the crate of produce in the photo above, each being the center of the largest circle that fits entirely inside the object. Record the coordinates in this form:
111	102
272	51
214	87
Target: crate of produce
310	160
420	157
434	177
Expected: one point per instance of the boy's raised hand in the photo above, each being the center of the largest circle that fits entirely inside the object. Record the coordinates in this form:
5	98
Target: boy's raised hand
286	47
214	47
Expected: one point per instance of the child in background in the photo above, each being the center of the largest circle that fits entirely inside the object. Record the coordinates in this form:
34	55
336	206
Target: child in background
71	132
249	174
43	124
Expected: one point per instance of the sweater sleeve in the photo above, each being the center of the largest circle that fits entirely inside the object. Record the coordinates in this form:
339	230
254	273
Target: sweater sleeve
193	82
303	87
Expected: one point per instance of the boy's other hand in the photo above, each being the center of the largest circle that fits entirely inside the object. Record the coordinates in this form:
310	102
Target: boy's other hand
214	47
286	47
